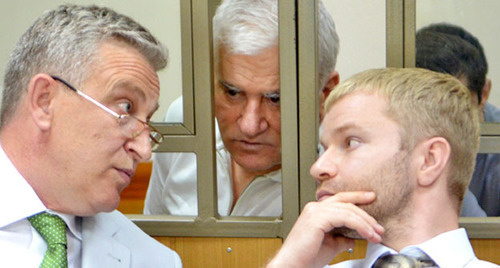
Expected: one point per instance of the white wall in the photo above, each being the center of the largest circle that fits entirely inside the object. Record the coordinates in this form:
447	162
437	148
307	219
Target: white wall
361	28
360	25
161	17
481	18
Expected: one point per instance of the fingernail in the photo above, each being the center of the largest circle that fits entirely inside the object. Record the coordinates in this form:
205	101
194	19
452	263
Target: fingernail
369	194
371	233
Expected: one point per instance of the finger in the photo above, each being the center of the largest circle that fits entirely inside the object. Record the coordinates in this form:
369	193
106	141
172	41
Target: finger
358	197
353	217
336	214
346	200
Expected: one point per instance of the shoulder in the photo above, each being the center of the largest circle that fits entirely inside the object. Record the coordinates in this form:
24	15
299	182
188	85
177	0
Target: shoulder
139	243
491	113
175	113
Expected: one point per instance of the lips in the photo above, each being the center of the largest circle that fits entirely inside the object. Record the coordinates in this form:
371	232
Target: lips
126	174
322	194
250	145
129	172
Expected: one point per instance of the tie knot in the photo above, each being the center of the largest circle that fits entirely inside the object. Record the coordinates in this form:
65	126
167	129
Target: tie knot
413	259
51	227
53	230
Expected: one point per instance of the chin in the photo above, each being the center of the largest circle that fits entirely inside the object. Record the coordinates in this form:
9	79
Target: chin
107	204
264	168
257	164
346	232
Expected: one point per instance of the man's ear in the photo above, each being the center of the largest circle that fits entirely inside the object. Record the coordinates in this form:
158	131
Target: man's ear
433	156
485	93
42	90
333	80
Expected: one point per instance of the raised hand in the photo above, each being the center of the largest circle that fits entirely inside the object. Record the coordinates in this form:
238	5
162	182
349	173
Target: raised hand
310	242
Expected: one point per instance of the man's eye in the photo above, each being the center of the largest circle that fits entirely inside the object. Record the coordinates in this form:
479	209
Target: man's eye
125	107
232	92
274	98
353	143
321	149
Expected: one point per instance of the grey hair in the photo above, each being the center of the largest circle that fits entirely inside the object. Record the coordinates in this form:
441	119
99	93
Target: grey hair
328	44
249	26
65	41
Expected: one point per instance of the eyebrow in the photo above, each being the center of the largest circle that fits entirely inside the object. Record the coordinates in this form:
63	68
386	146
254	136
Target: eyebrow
342	129
231	87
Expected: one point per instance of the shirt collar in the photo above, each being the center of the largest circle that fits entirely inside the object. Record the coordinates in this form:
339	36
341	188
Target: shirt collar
452	243
22	199
374	251
449	249
274	175
74	223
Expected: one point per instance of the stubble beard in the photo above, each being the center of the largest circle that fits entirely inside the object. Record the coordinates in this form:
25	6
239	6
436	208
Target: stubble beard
394	190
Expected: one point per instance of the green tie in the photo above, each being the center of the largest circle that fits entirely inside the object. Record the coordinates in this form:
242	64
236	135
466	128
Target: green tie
53	230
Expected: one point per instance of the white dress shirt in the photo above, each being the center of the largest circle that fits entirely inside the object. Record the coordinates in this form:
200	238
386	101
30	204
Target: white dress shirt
21	245
173	186
448	250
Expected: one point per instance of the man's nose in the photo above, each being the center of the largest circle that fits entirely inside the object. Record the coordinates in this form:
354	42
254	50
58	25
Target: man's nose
140	146
324	168
252	121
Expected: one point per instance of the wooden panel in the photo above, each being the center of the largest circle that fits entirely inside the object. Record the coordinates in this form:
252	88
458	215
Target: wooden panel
132	197
255	252
359	252
487	249
222	252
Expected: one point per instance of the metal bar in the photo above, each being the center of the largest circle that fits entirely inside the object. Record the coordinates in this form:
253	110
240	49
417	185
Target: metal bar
208	227
308	66
409	33
289	141
203	100
187	66
488	227
187	126
394	33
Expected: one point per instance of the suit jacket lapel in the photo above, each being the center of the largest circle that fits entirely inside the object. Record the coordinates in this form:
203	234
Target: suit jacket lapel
99	246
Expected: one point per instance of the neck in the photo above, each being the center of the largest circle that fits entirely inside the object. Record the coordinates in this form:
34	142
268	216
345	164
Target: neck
431	214
25	148
241	178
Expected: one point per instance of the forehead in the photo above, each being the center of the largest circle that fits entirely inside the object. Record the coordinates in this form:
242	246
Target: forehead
246	72
120	71
117	59
359	111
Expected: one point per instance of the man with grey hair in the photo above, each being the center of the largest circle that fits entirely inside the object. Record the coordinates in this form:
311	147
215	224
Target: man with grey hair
247	109
79	90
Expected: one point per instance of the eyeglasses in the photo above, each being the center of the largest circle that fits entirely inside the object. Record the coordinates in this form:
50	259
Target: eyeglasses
130	126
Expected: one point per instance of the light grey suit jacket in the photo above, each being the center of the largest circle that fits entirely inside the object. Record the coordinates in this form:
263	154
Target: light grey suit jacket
112	240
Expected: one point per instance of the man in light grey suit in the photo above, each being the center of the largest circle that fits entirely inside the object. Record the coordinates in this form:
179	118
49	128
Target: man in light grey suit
79	90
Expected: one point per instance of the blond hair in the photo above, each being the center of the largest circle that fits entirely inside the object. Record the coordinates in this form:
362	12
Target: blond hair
425	104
